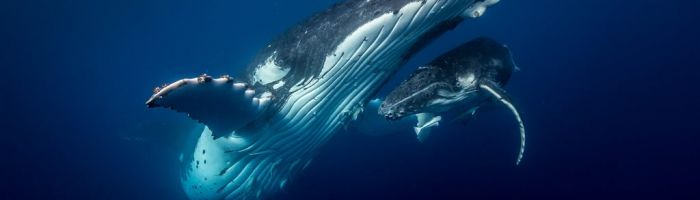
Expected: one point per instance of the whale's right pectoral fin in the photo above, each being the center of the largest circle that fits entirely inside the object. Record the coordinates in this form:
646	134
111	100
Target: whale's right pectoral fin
222	104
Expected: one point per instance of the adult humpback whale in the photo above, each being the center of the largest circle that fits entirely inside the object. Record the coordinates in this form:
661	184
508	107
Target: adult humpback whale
265	127
465	78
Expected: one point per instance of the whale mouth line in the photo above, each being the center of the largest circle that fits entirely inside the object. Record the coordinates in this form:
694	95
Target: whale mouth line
418	92
400	109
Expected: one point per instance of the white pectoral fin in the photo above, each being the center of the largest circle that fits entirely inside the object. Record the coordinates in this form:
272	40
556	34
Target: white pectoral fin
221	104
426	122
500	95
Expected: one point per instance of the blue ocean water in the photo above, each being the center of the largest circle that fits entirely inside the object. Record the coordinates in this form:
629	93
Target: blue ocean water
608	91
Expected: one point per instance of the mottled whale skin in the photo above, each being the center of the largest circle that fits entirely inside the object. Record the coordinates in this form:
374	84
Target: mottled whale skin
465	78
266	126
452	78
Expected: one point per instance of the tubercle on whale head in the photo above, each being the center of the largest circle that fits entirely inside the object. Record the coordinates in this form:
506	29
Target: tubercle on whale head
393	114
413	95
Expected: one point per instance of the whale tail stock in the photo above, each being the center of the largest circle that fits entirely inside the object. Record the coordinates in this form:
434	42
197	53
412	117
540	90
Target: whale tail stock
222	104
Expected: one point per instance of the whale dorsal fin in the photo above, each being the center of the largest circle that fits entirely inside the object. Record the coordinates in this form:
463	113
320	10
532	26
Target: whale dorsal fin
222	104
500	95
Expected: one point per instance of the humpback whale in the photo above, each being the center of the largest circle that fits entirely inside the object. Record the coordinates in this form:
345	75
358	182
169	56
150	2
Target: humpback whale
265	126
467	77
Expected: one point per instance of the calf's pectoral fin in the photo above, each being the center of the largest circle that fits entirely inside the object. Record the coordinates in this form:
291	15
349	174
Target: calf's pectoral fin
222	104
500	95
426	122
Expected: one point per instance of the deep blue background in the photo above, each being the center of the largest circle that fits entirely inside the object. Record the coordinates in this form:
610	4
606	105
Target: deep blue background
608	90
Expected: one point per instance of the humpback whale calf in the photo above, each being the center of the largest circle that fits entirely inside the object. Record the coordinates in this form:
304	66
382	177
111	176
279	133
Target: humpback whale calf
265	126
467	78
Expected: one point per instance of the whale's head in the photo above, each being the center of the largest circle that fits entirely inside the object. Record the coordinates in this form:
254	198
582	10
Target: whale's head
450	80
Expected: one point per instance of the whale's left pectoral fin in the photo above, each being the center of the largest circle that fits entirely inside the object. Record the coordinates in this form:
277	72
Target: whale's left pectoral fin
426	122
499	94
222	104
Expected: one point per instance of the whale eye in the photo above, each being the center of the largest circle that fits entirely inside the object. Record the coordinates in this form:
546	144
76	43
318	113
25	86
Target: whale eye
476	13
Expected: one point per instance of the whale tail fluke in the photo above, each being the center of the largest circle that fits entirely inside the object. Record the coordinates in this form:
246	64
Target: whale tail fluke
500	95
222	104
